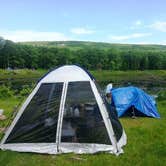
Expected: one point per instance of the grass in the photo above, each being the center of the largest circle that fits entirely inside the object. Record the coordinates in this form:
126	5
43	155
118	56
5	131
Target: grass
153	76
146	136
146	145
20	74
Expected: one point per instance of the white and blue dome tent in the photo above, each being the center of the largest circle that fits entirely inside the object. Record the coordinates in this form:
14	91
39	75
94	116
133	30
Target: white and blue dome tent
134	101
65	113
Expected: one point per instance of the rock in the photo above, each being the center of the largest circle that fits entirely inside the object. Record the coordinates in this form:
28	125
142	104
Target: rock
2	117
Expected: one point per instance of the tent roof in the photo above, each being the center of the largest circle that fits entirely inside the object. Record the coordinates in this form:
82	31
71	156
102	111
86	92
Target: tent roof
66	73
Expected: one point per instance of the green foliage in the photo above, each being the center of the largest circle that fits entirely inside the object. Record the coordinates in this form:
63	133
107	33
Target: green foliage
162	95
21	74
140	78
91	55
17	78
5	92
26	90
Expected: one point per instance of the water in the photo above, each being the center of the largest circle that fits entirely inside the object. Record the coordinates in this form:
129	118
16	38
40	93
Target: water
152	88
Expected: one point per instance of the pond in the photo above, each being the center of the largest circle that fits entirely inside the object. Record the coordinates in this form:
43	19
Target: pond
154	88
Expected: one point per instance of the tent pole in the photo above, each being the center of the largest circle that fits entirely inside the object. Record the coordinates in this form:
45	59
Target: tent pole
60	118
105	117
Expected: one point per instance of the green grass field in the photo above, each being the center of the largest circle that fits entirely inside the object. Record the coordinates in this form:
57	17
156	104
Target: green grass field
146	136
146	144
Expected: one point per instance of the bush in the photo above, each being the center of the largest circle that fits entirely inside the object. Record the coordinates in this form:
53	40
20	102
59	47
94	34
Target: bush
5	92
26	90
162	95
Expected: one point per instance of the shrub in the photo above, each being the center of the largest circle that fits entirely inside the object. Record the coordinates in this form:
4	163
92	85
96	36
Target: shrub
26	90
5	92
162	95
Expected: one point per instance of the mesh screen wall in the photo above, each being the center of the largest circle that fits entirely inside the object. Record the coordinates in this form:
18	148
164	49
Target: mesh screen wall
117	127
82	121
38	123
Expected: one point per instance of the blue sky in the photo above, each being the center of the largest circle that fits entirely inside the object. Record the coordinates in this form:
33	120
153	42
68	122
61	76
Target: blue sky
114	21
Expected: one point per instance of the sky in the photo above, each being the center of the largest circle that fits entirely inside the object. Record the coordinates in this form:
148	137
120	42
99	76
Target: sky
113	21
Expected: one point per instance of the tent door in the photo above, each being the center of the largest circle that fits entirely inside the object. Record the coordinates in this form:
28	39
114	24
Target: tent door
79	108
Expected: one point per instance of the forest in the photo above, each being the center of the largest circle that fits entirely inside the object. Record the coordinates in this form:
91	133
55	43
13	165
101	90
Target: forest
93	56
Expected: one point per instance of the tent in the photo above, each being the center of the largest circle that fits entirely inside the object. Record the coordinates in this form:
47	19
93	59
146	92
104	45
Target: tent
65	113
132	100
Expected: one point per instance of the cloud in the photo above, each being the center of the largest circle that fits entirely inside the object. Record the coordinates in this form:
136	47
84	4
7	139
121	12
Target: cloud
29	35
138	22
131	36
163	42
159	25
80	31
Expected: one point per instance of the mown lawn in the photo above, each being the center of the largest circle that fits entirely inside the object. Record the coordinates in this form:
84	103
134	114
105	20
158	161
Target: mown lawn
146	145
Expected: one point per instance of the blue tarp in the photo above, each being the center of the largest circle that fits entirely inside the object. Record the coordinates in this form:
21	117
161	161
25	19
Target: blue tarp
126	97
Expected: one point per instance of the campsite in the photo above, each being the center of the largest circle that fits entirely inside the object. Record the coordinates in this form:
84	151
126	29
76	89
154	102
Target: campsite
82	83
141	132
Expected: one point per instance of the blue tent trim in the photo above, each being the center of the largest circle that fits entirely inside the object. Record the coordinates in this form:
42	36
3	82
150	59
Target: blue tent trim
127	97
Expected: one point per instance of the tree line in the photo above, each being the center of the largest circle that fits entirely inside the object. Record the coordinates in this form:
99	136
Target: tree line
15	55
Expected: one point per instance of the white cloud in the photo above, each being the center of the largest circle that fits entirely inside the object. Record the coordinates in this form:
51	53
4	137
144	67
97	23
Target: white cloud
29	35
80	31
159	25
138	22
131	36
163	42
136	25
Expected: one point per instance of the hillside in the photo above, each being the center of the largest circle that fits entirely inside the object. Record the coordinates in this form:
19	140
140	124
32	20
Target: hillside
98	45
91	55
